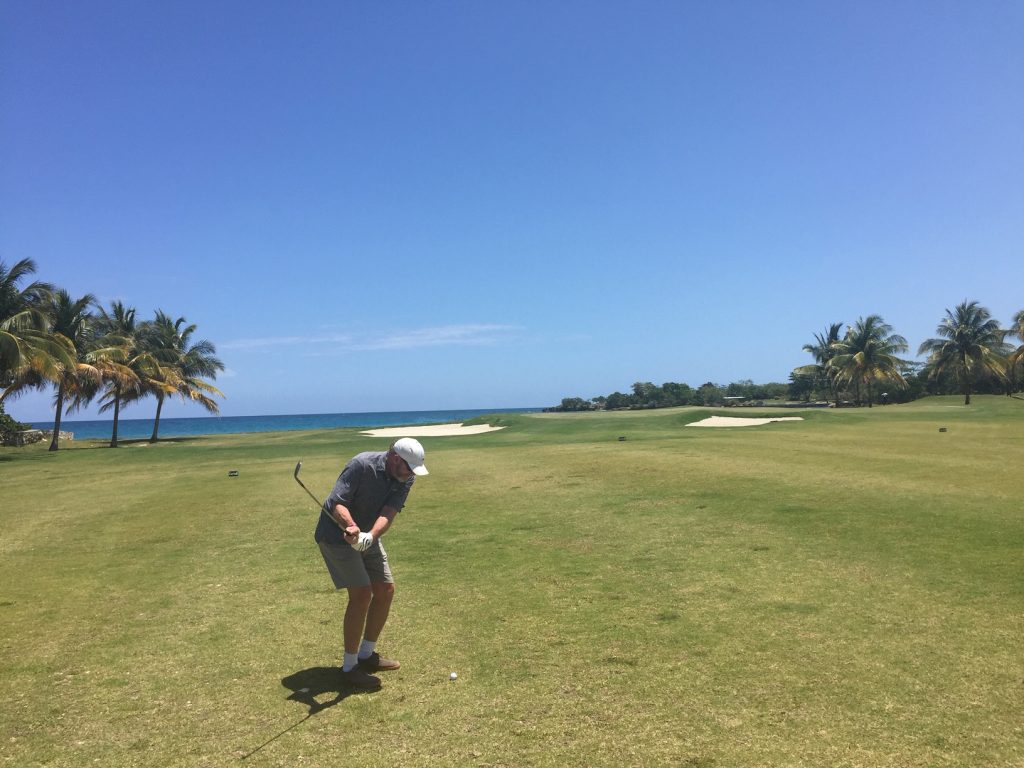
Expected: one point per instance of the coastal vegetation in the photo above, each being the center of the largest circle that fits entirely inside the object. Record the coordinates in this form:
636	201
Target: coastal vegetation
839	591
645	394
48	338
862	367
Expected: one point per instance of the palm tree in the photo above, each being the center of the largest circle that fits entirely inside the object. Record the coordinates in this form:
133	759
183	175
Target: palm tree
823	351
27	349
125	377
867	354
1017	355
970	342
70	319
184	365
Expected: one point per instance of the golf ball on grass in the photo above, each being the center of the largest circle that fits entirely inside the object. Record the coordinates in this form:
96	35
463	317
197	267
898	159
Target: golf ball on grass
453	676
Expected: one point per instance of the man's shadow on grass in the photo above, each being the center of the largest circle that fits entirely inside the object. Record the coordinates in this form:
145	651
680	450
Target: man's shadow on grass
310	686
314	688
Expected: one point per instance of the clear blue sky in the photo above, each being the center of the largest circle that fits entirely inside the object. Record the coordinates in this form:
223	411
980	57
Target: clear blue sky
424	205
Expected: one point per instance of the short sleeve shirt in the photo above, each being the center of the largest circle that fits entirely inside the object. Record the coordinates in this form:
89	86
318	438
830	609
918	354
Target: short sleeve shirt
364	487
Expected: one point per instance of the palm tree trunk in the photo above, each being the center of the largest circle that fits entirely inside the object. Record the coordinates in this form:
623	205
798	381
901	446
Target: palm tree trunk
117	410
967	379
55	443
156	422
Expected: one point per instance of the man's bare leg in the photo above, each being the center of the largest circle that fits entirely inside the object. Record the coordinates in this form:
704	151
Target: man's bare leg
359	599
377	615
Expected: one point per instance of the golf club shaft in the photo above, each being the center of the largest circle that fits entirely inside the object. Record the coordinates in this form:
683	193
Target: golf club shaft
314	498
298	467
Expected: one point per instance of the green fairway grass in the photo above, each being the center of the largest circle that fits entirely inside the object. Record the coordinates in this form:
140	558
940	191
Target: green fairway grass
613	589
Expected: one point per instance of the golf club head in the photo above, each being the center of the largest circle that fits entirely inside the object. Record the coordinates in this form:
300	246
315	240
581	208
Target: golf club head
297	468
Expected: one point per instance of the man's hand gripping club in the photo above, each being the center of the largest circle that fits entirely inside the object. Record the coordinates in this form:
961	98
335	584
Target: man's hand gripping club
359	540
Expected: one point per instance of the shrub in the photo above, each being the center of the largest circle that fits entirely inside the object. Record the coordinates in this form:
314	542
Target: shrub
8	426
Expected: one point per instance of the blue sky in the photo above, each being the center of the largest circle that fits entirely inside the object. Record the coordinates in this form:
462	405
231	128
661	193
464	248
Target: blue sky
406	205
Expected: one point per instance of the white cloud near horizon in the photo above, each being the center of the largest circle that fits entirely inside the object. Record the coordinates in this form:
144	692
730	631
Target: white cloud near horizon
479	334
281	341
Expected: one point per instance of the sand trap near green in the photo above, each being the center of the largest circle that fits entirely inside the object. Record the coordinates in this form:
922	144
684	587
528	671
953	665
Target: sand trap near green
434	430
731	421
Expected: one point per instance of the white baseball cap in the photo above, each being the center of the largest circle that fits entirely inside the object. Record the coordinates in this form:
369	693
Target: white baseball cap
412	452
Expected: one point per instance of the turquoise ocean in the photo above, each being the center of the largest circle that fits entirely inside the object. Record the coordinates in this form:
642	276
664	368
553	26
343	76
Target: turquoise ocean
134	429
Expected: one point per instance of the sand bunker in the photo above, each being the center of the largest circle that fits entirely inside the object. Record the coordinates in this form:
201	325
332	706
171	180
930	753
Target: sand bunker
729	421
435	430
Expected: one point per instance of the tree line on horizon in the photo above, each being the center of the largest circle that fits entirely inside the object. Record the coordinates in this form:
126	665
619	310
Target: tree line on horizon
87	352
969	355
646	394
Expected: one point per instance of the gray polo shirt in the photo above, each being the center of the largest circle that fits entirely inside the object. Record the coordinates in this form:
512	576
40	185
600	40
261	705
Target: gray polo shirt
364	488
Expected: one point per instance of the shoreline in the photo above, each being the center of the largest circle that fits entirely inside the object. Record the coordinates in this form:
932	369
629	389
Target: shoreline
180	427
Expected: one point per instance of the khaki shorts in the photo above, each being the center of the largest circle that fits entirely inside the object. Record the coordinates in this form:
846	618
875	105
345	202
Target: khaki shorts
349	568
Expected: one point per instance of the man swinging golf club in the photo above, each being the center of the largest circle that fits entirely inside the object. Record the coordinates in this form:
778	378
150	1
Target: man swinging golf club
370	492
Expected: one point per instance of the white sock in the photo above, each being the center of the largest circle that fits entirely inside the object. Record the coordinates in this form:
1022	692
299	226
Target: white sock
351	659
366	648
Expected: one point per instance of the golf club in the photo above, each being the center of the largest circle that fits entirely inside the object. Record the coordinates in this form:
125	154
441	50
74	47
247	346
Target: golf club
314	498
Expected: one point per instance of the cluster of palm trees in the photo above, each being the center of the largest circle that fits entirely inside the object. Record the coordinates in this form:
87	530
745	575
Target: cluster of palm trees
970	346
85	352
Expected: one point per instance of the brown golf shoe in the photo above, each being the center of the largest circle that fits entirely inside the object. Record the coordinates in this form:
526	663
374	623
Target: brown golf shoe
358	678
374	663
